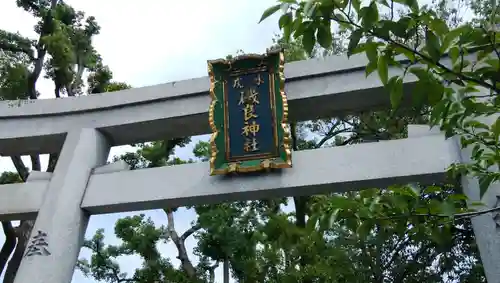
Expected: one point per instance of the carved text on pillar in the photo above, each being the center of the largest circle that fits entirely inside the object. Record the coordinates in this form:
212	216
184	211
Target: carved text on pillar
38	245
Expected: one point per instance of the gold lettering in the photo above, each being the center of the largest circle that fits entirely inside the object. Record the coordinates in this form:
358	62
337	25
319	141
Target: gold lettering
249	112
250	145
258	80
252	128
242	98
237	83
249	96
253	96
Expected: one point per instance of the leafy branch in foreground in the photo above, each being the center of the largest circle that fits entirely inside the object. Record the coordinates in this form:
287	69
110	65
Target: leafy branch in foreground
457	68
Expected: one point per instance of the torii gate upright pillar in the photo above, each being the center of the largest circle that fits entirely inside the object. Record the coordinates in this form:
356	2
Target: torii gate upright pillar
486	226
60	225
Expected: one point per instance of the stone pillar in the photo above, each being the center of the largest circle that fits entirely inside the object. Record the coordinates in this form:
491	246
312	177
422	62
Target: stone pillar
57	236
486	226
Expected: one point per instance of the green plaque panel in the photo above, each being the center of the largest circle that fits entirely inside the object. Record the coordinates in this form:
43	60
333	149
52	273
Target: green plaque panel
248	114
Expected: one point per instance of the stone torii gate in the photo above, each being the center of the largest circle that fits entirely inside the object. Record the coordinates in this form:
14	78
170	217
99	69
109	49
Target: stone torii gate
82	130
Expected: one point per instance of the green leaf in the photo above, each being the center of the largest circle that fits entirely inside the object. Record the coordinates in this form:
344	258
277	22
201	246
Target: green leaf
437	111
287	31
454	53
419	93
435	235
339	17
493	62
359	49
476	151
311	222
495	129
333	218
396	94
299	27
421	73
484	183
309	8
285	20
450	37
483	54
413	4
383	69
436	92
371	51
476	125
370	15
356	4
354	41
432	45
372	66
400	27
448	208
324	36
439	26
308	40
269	11
364	229
458	197
477	203
408	53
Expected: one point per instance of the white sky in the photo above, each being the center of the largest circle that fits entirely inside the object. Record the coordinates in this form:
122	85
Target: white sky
151	42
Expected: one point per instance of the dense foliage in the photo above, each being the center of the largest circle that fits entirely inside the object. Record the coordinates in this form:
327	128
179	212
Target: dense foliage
461	91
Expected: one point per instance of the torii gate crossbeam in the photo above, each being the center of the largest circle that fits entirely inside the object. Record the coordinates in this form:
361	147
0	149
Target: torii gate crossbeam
83	129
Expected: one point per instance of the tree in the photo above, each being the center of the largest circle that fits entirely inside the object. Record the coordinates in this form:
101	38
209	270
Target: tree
64	50
460	92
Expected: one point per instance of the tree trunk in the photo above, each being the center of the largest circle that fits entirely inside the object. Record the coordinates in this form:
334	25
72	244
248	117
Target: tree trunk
186	264
23	233
9	245
24	230
211	272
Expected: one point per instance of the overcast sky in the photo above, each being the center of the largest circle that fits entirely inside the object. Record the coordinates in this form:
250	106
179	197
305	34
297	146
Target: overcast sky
152	42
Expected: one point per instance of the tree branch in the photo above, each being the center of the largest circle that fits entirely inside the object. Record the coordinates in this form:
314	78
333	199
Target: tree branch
20	168
424	57
35	163
293	127
15	49
400	276
52	162
331	133
211	271
41	52
399	246
456	216
190	231
113	268
186	264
